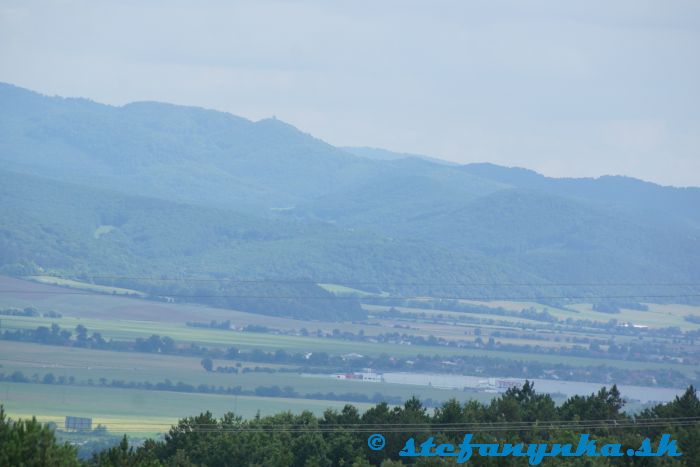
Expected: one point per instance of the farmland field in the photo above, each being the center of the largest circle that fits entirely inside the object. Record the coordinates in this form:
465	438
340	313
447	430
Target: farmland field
119	329
657	315
86	364
139	411
51	280
22	293
120	318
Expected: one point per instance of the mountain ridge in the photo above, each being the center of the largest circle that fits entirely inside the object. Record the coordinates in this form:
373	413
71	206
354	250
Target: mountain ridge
351	216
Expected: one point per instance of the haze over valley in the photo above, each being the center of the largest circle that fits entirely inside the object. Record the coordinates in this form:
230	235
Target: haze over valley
159	260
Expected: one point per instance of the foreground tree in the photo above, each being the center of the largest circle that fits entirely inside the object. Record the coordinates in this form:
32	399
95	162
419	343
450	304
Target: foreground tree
29	443
339	438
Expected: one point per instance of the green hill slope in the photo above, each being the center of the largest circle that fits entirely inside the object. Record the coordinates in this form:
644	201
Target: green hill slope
149	189
79	231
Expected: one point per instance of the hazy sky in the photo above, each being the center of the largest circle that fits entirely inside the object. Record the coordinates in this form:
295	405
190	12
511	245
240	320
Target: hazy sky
568	88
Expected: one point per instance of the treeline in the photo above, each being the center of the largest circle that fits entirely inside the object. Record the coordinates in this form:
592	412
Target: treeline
213	324
226	325
460	364
339	438
462	307
644	351
612	326
531	313
692	319
179	386
300	299
614	306
29	312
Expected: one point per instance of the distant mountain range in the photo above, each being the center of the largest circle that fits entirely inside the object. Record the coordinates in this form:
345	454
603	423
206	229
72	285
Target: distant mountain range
385	155
156	189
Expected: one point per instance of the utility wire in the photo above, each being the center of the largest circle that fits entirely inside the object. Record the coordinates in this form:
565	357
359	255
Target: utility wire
344	297
376	283
404	428
516	424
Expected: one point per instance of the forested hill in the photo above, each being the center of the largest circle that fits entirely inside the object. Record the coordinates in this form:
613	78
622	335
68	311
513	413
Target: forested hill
182	153
55	227
153	188
627	192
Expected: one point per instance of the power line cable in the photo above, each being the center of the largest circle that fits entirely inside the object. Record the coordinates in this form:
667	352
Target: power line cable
376	283
607	421
404	428
344	297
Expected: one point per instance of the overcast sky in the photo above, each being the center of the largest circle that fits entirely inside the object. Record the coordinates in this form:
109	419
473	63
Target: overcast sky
568	88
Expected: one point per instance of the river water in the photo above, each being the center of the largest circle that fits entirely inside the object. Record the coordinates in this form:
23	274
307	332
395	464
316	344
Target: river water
568	388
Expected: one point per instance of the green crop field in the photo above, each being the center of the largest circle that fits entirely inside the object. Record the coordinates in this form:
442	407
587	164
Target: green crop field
344	290
657	315
144	411
118	329
16	293
85	364
139	411
84	285
504	321
133	329
516	305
